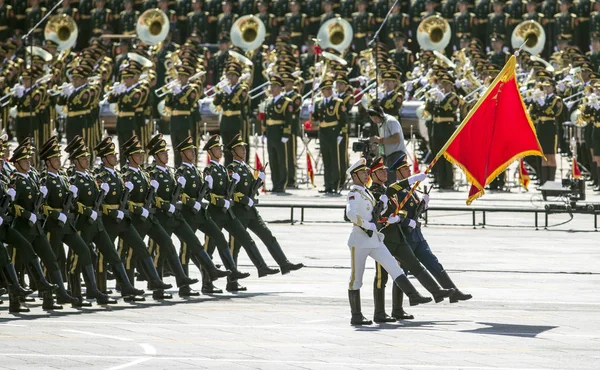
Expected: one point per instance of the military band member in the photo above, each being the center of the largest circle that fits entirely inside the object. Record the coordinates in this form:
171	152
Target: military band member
401	56
226	19
7	20
464	23
566	23
198	20
346	9
182	9
498	22
498	56
393	96
416	8
331	114
482	9
99	17
583	9
128	19
296	23
313	12
365	240
532	13
363	24
279	9
35	13
77	101
268	20
27	99
296	98
394	241
218	210
327	12
595	24
547	111
232	100
398	23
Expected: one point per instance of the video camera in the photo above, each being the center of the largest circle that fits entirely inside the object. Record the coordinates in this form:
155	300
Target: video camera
364	145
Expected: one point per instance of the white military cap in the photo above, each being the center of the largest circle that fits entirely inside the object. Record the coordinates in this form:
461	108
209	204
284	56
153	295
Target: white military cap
359	165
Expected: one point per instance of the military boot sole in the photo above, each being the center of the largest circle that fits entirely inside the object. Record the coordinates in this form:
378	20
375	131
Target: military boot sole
238	275
217	274
287	268
235	287
51	307
414	301
19	309
182	283
133	298
403	316
459	296
158	285
442	294
267	271
162	296
189	293
381	319
360	321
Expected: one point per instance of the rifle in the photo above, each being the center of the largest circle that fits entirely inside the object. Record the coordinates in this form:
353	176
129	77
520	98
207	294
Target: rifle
258	183
39	200
175	197
68	202
97	204
202	190
375	216
4	206
230	190
123	202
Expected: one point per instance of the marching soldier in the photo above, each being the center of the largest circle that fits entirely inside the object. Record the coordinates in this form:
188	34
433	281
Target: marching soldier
99	17
128	19
464	23
226	19
219	210
498	56
296	23
566	23
498	22
232	100
35	14
365	240
330	112
279	111
363	24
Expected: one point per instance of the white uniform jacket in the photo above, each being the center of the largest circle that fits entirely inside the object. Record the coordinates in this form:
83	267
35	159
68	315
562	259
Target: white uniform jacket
359	209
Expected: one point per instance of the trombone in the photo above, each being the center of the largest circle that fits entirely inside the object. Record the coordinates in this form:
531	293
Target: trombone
173	84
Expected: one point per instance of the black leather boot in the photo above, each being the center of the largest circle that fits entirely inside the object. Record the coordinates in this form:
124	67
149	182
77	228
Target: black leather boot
259	262
181	277
551	173
36	273
234	286
91	289
61	292
207	283
186	290
48	302
279	257
597	187
230	265
154	282
127	288
446	282
432	286
397	310
15	306
414	298
357	316
543	175
14	288
75	288
207	263
379	302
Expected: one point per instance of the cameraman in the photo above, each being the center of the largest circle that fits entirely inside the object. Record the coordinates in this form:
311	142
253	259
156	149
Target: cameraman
390	138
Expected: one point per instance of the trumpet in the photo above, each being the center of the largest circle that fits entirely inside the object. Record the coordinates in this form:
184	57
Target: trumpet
60	89
225	82
13	90
170	86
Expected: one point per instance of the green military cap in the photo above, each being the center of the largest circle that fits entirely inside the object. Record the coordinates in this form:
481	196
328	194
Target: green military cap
50	151
389	76
585	66
159	147
10	44
234	68
236	141
183	70
27	73
50	44
187	143
360	165
154	140
399	36
133	148
78	152
543	75
212	142
129	141
104	142
340	77
108	149
52	141
27	141
286	76
445	77
400	163
497	37
327	83
298	81
22	152
128	72
276	80
79	72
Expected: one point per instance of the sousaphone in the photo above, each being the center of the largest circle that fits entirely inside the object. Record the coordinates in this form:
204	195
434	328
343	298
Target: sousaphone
248	33
532	34
336	33
434	33
62	30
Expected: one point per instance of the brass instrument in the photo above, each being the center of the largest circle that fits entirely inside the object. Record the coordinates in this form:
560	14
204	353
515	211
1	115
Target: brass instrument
143	61
444	59
173	84
336	33
239	57
152	26
433	33
40	52
549	66
532	34
248	32
59	89
63	30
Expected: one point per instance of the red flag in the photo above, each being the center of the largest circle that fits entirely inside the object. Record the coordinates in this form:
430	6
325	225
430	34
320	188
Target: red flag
258	168
317	50
523	175
207	158
309	170
495	133
416	164
575	170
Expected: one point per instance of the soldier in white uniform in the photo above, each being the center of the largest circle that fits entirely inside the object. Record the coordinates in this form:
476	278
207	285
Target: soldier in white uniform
365	241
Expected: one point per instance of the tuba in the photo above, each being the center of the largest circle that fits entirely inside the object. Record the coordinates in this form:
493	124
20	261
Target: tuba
61	29
434	33
248	33
143	61
40	52
152	26
531	35
336	33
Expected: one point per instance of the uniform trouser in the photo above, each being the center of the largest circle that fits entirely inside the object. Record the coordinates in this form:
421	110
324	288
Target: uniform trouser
125	130
277	158
402	252
331	158
76	126
292	153
19	245
343	155
426	257
180	130
42	248
443	169
128	234
250	219
359	258
213	237
74	242
103	242
4	259
161	243
24	127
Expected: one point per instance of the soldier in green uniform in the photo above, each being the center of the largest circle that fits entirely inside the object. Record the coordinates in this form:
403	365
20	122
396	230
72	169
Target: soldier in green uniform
27	99
464	23
347	7
363	25
380	8
99	17
268	20
595	23
346	94
181	102
498	56
394	241
279	9
198	20
312	8
583	9
398	23
296	100
594	54
279	111
443	112
566	24
330	112
7	20
393	95
547	112
34	14
77	101
183	8
169	216
498	22
416	8
128	19
213	8
244	201
296	23
143	217
232	99
515	10
401	56
226	19
482	9
219	211
327	12
532	14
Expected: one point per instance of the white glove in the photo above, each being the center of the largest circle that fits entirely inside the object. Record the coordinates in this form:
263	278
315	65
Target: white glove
68	90
393	219
129	185
439	94
73	189
222	84
424	80
250	202
262	176
417	178
62	218
145	213
154	184
1	221
44	191
181	181
235	177
120	89
409	85
105	188
209	180
311	108
384	199
339	140
120	215
197	206
541	101
11	193
94	215
227	89
372	226
33	218
19	90
412	224
227	204
176	89
425	198
363	80
285	139
561	86
263	138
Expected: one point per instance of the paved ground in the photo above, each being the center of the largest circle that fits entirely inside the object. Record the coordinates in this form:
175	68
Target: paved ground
535	307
